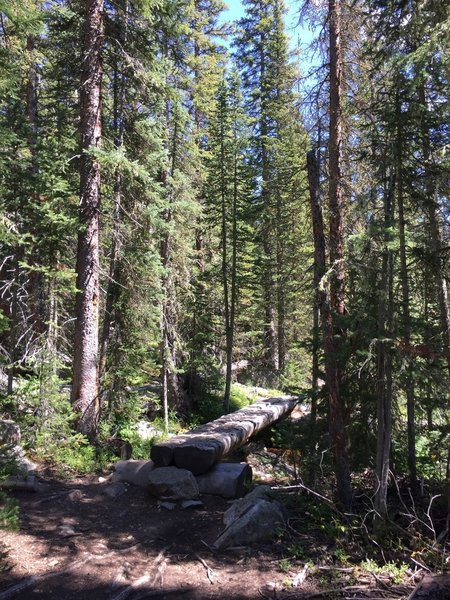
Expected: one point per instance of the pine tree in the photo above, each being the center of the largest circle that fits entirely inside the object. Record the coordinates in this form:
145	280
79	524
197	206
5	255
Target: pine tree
279	143
85	385
226	193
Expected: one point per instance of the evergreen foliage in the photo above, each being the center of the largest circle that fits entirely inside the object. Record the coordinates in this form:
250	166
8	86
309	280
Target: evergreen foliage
206	239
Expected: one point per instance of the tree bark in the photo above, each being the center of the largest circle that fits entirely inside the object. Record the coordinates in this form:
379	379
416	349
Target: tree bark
280	283
335	194
384	363
171	394
270	338
224	243
337	299
409	375
314	183
336	417
199	449
85	391
234	244
113	288
36	289
431	209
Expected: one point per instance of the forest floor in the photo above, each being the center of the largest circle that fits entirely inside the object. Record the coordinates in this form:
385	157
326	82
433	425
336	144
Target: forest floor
75	542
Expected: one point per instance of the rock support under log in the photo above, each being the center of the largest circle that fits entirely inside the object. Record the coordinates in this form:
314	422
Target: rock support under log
202	447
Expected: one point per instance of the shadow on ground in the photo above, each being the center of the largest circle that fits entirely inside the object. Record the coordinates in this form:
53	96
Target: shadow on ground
75	542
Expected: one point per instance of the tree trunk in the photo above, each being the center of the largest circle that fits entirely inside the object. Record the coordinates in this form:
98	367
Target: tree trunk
112	291
233	275
336	417
409	374
280	288
314	183
234	244
36	291
171	394
14	329
384	361
336	200
431	209
427	287
200	448
224	243
85	395
337	299
270	338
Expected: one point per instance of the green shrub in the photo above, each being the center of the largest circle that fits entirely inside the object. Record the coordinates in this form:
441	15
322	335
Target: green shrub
239	398
395	572
68	454
9	512
9	519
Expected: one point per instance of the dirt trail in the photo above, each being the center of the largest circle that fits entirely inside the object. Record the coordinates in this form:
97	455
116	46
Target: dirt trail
77	543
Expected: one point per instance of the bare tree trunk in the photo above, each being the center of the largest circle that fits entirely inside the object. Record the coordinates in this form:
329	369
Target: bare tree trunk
409	375
270	337
234	245
337	298
336	418
224	243
85	391
335	194
166	354
231	313
14	329
281	292
171	393
315	192
384	361
427	286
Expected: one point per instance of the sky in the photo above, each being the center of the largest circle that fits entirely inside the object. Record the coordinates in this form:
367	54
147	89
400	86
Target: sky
298	34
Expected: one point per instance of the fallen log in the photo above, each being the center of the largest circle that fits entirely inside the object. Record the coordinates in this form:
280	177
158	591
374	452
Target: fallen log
432	587
202	447
18	483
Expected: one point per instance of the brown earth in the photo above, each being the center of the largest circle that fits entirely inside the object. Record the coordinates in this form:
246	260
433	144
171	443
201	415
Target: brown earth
77	543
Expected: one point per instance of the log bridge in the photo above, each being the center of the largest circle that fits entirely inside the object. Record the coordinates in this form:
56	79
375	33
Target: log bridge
199	449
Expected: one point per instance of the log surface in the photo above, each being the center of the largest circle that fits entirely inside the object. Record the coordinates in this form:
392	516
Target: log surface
432	587
202	447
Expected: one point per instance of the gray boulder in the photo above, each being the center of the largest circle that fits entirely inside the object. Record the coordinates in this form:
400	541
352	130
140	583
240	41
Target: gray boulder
136	472
243	505
11	453
9	435
251	519
172	483
115	490
228	480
